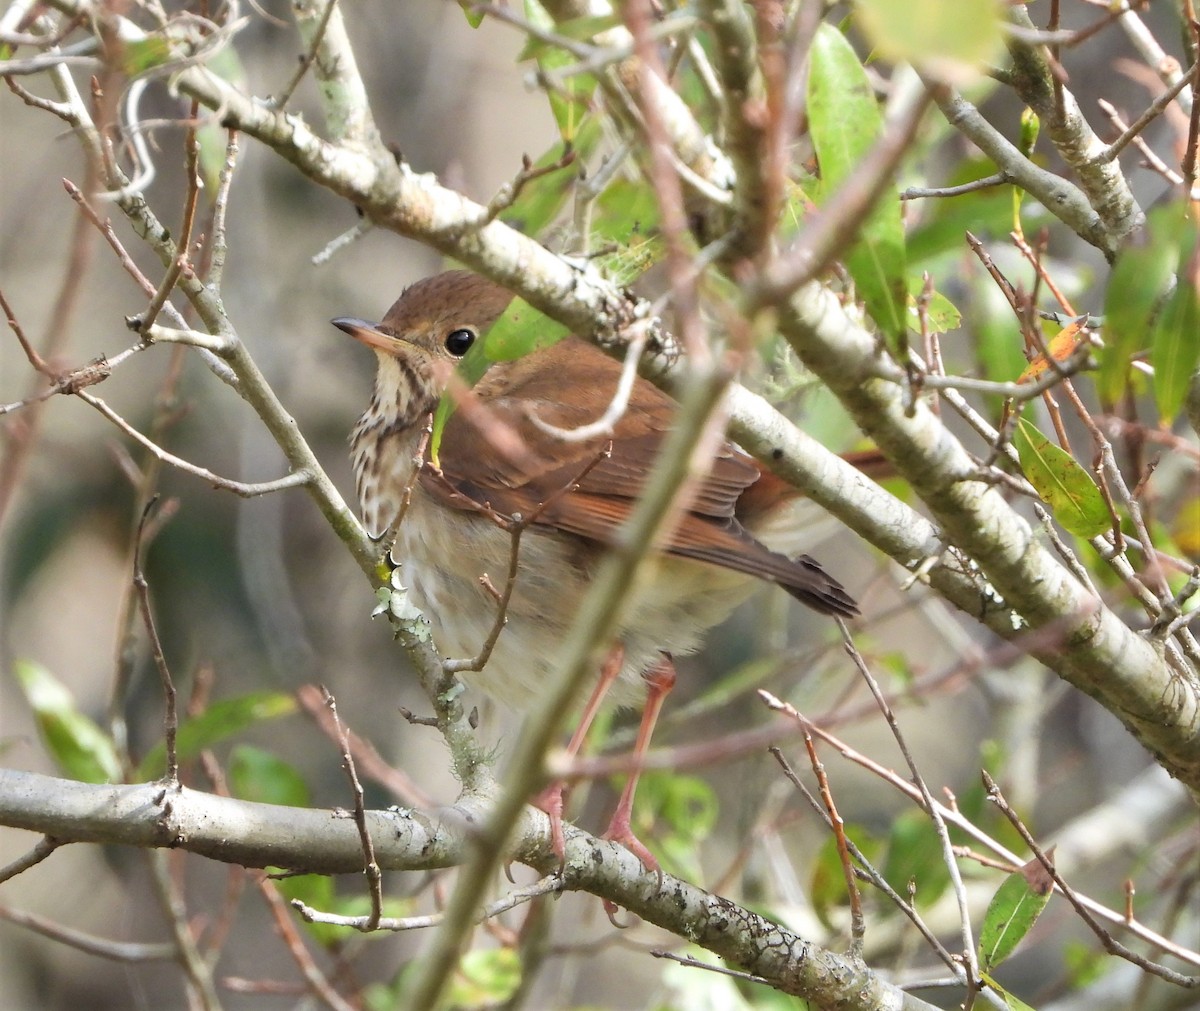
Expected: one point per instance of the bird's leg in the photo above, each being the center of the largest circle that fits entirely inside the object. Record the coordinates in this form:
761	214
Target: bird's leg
660	679
552	799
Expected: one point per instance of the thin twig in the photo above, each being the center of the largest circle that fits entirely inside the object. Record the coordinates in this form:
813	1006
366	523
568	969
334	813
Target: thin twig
508	193
370	864
42	849
1146	118
551	885
695	963
340	242
102	947
872	875
318	982
306	61
939	824
1110	943
296	479
218	246
367	759
517	527
170	715
857	923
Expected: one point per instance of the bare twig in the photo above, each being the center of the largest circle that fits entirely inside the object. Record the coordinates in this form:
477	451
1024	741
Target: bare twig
170	716
516	527
968	954
857	923
317	981
1110	943
294	480
102	947
551	885
927	192
370	865
42	849
1145	119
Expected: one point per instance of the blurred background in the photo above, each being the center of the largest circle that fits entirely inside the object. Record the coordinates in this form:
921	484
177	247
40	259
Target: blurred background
258	595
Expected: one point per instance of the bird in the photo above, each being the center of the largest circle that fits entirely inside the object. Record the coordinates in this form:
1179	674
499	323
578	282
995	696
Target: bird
503	454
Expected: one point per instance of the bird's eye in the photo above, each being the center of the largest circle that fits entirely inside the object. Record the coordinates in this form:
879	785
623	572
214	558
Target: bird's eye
459	342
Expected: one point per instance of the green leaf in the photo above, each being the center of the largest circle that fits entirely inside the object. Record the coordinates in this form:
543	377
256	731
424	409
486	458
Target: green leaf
77	744
473	15
222	720
571	100
1062	483
915	854
943	315
139	55
541	200
484	979
211	135
932	31
845	122
1011	1002
1137	287
257	775
827	884
1010	915
1175	349
519	330
677	813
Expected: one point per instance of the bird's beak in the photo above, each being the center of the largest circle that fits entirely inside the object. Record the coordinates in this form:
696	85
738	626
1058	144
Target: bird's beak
365	333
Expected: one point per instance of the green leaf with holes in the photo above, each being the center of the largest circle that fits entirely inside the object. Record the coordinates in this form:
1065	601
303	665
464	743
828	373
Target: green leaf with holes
76	743
624	228
1062	483
845	123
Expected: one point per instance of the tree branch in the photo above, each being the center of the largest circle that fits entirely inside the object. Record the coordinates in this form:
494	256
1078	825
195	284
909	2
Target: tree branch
320	842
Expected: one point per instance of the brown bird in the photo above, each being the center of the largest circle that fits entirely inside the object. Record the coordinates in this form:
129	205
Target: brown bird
501	453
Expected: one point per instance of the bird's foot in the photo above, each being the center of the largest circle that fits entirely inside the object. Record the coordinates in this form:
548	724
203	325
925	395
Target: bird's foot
551	800
620	831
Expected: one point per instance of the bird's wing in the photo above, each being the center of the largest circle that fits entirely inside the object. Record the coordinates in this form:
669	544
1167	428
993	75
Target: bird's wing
495	456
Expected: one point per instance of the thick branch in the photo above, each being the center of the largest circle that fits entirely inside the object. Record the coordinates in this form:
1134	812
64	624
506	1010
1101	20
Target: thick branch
1062	199
1090	646
1101	178
325	842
